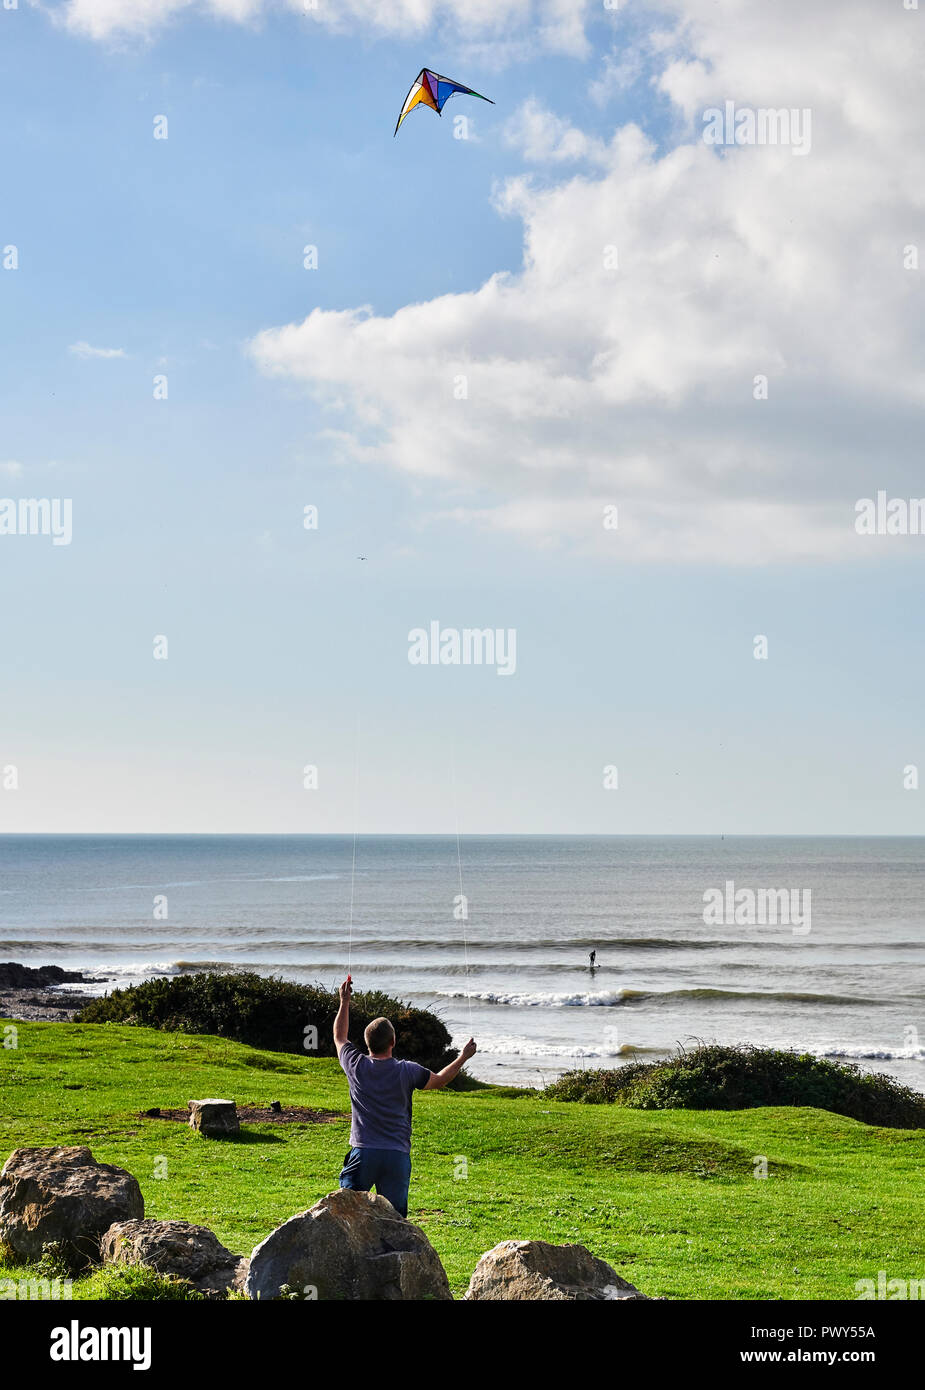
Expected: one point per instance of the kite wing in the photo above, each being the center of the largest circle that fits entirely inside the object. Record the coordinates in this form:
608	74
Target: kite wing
430	89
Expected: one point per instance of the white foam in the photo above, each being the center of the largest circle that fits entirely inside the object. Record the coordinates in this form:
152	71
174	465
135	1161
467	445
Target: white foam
545	999
509	1045
875	1054
134	972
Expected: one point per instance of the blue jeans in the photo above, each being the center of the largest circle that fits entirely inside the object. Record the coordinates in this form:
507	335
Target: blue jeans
388	1170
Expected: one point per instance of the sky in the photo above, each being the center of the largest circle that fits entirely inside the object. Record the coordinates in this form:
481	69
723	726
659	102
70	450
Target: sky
516	322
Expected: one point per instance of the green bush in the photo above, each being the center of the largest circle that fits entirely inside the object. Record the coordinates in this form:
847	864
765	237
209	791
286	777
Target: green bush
269	1013
54	1262
714	1077
597	1086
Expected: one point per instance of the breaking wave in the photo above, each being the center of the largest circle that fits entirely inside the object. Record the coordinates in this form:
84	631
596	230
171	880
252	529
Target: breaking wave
513	1046
875	1054
548	999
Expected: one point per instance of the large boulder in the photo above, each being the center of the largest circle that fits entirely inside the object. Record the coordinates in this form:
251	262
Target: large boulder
350	1245
178	1248
526	1270
61	1196
216	1119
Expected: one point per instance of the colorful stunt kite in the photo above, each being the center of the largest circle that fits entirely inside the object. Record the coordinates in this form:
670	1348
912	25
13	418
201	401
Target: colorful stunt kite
430	89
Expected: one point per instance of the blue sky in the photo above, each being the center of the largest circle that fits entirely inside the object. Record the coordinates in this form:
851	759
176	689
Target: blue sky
176	254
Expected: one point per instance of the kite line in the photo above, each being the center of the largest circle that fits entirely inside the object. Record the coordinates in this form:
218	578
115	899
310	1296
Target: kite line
462	901
353	862
463	905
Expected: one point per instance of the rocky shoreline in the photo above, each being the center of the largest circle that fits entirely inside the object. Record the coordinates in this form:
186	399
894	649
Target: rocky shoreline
36	995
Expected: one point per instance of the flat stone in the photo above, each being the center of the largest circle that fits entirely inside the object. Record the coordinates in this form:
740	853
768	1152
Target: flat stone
215	1119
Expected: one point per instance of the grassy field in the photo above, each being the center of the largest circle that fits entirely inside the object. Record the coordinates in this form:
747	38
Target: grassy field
669	1198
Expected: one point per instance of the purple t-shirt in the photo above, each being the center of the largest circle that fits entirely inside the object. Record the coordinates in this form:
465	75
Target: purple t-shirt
380	1098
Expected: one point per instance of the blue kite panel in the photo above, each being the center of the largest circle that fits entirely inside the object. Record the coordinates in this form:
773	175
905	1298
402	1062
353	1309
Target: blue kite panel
446	89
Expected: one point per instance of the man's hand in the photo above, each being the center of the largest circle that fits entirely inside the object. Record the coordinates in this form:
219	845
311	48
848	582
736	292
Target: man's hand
342	1021
439	1079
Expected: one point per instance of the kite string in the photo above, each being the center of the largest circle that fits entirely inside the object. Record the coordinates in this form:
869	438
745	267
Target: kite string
462	903
353	863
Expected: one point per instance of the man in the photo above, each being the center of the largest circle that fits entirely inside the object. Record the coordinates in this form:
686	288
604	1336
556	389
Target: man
381	1088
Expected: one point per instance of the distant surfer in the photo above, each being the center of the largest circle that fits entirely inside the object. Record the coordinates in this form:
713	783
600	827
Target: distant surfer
591	959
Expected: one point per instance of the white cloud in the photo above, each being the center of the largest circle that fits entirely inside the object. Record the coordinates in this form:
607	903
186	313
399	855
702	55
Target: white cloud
84	350
736	532
553	24
11	468
618	72
543	137
635	384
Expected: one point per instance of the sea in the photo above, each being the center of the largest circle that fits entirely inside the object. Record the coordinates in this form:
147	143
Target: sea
494	933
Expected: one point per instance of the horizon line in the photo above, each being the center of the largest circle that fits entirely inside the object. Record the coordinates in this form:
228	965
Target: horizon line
465	835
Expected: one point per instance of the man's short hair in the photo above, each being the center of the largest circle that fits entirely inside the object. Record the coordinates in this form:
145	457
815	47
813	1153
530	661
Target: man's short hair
379	1035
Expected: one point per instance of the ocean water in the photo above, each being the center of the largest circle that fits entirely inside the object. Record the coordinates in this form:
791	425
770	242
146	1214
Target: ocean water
845	980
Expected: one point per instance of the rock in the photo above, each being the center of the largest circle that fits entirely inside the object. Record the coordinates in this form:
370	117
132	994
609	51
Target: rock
178	1248
350	1245
62	1196
30	993
526	1270
14	976
216	1119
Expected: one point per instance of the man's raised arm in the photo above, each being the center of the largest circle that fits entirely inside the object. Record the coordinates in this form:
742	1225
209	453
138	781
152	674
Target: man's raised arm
439	1079
342	1021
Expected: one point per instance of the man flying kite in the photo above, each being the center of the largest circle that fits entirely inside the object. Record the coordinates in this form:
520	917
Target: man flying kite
381	1088
430	89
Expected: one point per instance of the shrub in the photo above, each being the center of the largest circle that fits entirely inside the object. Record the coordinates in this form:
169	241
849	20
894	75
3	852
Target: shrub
54	1261
715	1077
268	1012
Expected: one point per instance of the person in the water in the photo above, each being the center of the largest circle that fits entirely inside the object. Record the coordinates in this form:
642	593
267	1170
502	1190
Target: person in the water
592	958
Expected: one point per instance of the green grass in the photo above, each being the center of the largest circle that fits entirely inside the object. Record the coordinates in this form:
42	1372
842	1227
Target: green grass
667	1197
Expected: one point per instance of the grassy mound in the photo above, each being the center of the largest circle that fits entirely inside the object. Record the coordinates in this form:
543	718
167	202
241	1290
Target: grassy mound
712	1077
269	1013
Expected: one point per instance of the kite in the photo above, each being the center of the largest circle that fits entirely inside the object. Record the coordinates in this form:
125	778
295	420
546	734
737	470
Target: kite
430	89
